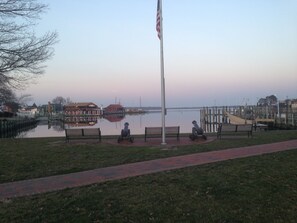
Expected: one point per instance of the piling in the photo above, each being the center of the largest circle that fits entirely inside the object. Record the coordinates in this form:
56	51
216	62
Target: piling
211	117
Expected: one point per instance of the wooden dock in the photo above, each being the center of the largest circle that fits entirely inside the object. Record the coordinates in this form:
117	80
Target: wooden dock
211	117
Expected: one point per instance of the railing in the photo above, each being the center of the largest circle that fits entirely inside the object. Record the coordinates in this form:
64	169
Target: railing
11	128
211	117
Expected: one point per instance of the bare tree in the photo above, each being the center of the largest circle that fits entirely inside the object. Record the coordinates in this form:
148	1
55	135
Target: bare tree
68	101
22	54
24	99
6	95
59	100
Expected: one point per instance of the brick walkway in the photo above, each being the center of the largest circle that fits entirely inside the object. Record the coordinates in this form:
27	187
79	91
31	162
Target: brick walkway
60	182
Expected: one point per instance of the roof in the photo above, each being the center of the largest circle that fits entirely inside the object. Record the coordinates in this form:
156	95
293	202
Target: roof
115	106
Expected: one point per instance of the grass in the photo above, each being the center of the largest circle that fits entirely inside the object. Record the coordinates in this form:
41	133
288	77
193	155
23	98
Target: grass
31	158
255	189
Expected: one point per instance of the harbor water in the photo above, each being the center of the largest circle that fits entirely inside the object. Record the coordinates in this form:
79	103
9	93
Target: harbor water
209	119
112	125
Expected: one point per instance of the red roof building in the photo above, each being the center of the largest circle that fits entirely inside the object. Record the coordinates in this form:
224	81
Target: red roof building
114	109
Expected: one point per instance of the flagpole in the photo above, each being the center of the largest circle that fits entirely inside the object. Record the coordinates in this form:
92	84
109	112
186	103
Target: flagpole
162	75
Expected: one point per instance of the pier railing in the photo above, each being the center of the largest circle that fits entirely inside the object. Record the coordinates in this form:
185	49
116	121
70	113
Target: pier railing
211	117
11	128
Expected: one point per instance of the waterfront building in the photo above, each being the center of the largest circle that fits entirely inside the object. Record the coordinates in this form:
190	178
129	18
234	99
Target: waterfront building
28	111
84	108
114	109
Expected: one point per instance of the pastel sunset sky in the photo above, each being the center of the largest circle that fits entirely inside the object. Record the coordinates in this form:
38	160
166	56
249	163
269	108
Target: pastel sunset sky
217	52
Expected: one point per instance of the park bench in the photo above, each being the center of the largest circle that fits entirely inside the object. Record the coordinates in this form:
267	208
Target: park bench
260	127
156	132
230	129
87	133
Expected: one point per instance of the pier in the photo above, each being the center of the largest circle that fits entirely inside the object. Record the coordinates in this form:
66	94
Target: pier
273	116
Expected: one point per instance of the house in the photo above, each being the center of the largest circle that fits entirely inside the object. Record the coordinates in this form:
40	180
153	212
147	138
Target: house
11	107
29	111
114	109
7	108
5	111
84	108
268	101
294	103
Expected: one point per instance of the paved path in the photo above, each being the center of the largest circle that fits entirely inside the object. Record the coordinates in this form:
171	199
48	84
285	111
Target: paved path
59	182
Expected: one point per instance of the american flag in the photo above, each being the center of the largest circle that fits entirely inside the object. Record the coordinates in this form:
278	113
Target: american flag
158	23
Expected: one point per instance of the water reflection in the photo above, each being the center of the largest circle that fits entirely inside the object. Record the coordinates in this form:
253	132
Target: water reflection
114	117
78	121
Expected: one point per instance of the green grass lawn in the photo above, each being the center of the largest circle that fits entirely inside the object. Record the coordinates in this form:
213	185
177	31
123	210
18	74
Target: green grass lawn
255	189
31	158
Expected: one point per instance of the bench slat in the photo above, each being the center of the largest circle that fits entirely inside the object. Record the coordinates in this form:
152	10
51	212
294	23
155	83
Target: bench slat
155	132
229	128
91	132
73	132
174	129
244	128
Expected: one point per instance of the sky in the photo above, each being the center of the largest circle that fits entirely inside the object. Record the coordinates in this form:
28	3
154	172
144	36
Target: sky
216	52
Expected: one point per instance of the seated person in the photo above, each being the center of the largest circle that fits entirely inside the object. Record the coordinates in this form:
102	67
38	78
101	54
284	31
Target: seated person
126	131
196	130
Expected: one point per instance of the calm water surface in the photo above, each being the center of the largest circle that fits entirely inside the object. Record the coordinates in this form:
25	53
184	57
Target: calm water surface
113	126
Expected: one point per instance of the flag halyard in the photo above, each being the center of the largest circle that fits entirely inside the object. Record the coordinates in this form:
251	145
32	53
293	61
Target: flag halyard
158	22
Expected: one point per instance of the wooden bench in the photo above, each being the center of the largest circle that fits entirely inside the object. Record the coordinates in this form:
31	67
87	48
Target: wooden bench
234	129
260	127
156	132
88	133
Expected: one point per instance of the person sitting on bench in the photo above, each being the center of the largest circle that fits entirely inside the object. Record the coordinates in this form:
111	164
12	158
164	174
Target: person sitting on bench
197	131
125	134
126	131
